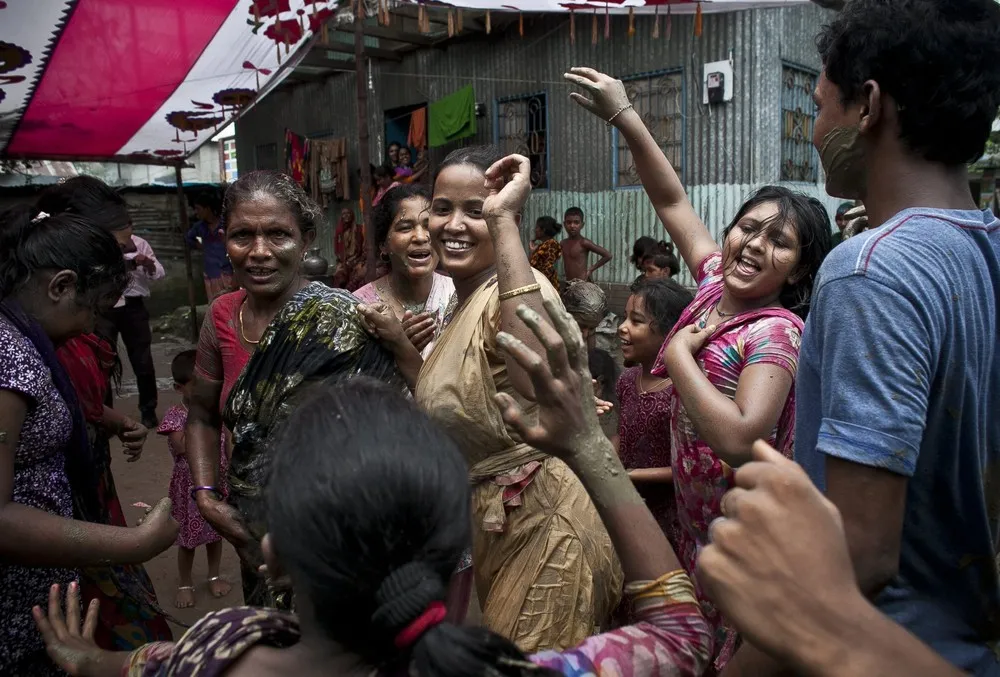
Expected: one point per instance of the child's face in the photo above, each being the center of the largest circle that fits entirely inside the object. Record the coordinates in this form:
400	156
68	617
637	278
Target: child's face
573	224
654	272
641	341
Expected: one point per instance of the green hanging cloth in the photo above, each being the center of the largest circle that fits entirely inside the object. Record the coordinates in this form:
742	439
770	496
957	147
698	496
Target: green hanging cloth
451	118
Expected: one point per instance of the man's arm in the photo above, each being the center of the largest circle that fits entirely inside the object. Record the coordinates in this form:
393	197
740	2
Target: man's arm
605	255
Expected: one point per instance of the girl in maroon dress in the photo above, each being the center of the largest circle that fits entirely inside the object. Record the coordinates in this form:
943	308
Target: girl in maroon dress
195	531
643	427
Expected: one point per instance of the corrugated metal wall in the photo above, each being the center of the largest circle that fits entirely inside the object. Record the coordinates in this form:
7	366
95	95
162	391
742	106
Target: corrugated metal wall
728	148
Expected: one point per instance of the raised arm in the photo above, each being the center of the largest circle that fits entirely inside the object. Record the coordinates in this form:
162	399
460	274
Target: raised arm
610	102
33	537
509	181
568	428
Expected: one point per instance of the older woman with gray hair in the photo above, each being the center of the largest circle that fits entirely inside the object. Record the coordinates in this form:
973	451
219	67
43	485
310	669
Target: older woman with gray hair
259	347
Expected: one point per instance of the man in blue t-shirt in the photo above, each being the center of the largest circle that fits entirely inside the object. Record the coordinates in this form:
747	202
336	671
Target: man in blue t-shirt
898	387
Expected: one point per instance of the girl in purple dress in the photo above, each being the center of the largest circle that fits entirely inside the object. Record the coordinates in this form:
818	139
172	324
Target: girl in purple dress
56	274
195	531
643	423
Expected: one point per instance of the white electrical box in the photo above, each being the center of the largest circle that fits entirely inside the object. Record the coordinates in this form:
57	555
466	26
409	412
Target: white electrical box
717	83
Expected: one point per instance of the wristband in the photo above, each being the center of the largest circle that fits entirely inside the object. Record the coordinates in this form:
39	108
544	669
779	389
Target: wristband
194	492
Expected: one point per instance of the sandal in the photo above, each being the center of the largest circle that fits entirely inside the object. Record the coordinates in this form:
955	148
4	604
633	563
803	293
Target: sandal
183	603
219	586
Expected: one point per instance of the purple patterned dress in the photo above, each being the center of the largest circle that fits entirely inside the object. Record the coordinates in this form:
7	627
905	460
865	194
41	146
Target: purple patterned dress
40	481
195	531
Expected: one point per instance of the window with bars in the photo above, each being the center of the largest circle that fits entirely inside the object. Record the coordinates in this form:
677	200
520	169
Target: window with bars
266	156
799	159
658	98
522	127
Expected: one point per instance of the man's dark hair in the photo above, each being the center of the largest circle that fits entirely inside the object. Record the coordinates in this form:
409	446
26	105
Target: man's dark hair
936	58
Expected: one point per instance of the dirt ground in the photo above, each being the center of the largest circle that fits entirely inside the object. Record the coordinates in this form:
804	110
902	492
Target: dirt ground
148	480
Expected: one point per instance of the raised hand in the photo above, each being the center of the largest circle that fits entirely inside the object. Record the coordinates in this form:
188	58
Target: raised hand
607	95
567	420
69	646
509	185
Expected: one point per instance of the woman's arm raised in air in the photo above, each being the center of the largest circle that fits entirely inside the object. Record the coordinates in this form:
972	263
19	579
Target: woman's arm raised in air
664	188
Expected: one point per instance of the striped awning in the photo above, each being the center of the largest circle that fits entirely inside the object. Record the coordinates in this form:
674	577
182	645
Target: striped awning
139	80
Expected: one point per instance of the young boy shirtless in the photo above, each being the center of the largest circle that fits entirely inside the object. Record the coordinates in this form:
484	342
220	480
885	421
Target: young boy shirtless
575	249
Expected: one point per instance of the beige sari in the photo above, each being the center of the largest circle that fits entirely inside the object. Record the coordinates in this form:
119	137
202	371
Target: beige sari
546	572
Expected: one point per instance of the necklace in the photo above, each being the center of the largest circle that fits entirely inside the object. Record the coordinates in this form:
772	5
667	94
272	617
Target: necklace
386	291
242	332
658	382
704	320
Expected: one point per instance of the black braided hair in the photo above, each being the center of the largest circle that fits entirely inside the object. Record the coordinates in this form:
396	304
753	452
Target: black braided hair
371	531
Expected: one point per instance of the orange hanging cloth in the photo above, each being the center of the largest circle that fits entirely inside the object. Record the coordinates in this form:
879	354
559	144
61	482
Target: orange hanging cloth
461	21
631	22
607	21
697	22
489	24
656	23
593	30
520	24
418	129
451	24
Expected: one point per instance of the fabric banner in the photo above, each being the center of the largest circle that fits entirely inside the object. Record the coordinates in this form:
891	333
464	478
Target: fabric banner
452	118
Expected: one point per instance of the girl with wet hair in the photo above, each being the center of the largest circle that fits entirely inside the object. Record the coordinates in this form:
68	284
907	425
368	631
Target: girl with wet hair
368	536
733	354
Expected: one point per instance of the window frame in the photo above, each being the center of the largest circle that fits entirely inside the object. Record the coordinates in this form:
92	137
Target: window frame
817	167
682	115
500	101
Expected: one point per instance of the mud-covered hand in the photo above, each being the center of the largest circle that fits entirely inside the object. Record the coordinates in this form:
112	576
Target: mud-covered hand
224	518
133	436
379	321
157	531
567	422
419	329
607	95
70	645
509	184
777	564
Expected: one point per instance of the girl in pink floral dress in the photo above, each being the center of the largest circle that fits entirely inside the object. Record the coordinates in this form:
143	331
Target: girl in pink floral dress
195	531
732	356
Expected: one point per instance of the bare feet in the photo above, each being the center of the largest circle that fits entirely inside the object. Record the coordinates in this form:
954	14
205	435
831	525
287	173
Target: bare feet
185	597
219	586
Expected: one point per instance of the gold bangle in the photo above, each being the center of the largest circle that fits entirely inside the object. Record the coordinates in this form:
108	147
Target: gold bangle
527	289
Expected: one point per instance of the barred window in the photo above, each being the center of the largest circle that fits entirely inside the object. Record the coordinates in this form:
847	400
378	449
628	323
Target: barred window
799	160
658	98
265	156
522	128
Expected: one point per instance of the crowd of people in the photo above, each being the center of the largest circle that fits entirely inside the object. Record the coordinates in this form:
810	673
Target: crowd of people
800	478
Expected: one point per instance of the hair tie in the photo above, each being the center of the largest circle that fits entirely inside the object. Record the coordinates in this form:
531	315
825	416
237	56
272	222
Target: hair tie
432	615
39	216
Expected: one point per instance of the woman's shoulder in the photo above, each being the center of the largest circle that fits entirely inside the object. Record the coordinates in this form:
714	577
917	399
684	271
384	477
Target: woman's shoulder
369	293
21	366
173	420
226	304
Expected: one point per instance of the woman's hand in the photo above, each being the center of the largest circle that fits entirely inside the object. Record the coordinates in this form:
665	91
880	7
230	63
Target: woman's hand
379	321
567	420
509	185
778	558
69	646
224	518
133	436
609	97
688	341
157	530
419	329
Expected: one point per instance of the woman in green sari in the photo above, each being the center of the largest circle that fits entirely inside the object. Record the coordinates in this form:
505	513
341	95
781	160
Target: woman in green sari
258	347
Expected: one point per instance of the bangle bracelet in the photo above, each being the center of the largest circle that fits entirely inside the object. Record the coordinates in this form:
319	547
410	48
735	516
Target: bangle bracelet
194	492
617	113
527	289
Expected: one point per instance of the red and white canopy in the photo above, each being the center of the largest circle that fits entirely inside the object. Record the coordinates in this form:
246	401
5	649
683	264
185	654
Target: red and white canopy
139	80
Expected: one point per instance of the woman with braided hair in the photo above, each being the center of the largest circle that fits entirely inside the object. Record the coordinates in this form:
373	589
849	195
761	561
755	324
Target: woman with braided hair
369	537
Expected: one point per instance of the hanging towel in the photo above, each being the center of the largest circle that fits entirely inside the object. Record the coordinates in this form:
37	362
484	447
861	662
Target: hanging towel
418	129
451	118
297	158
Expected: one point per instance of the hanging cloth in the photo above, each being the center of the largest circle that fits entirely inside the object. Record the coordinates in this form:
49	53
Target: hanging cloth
418	129
452	118
297	158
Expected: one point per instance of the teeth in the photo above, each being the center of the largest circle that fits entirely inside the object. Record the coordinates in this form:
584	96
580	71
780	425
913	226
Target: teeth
455	246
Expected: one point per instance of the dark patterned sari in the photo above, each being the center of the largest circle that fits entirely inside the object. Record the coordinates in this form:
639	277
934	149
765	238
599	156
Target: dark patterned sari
316	337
